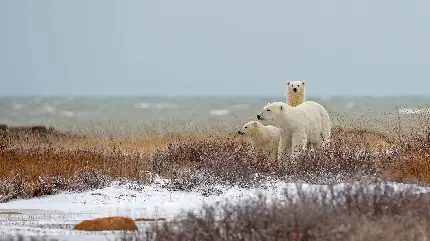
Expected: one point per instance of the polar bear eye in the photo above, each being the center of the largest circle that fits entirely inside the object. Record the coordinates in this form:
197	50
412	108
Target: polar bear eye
246	127
268	110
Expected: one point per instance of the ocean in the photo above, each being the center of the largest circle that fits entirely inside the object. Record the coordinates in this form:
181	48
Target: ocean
137	113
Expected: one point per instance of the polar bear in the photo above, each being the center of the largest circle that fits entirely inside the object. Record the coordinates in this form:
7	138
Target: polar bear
300	126
264	139
295	93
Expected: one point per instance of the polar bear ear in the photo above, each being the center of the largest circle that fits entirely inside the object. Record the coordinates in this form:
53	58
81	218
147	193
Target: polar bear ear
303	82
288	82
255	123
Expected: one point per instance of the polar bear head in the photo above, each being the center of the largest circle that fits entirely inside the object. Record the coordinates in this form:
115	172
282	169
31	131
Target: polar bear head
296	86
250	128
272	114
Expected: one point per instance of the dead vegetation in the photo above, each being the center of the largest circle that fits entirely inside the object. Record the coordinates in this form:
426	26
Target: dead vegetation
357	212
35	166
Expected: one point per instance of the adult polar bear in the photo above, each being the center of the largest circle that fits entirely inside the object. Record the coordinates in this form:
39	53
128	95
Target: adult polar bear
307	123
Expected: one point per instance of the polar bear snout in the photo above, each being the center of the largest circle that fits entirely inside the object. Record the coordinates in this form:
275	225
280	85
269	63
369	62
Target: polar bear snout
295	89
240	133
260	117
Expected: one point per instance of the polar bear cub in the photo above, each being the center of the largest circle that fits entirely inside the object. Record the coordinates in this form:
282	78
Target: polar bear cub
264	139
295	93
307	123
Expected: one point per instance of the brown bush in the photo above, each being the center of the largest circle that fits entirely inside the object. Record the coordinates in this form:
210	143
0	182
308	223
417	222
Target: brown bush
336	162
412	162
362	138
207	162
356	213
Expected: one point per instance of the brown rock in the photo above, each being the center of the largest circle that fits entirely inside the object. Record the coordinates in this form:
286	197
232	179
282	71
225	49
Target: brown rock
108	223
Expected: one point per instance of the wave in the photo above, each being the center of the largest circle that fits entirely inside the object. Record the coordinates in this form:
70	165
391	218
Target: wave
146	105
219	112
18	106
67	113
349	105
413	111
47	108
240	107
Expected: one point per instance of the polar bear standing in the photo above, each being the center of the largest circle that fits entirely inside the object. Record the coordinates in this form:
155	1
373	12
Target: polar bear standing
307	123
295	93
264	139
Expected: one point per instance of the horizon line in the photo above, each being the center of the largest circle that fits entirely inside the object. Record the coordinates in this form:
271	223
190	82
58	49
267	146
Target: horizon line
203	96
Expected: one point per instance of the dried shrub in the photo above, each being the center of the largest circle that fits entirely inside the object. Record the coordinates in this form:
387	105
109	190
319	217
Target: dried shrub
412	162
360	212
89	179
208	162
336	162
17	186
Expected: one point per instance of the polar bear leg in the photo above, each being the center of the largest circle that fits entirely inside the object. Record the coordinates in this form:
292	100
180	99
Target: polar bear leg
325	127
273	156
312	146
299	141
284	147
325	140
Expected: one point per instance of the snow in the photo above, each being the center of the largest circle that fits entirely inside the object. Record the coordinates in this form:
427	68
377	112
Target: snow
55	215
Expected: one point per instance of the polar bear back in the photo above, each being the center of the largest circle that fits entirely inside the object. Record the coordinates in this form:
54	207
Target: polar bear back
313	118
269	135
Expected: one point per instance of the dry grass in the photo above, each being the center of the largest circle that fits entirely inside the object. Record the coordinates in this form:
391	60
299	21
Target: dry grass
355	213
362	138
412	163
35	168
34	165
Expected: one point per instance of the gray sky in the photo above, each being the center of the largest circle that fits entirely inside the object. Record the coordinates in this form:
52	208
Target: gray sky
223	47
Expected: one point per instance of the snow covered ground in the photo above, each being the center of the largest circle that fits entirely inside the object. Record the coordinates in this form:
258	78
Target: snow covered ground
56	215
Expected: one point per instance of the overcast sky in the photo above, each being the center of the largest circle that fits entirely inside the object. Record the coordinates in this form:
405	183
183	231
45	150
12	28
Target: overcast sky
222	47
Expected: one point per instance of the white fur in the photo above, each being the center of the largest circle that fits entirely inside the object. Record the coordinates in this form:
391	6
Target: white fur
295	98
307	123
264	139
